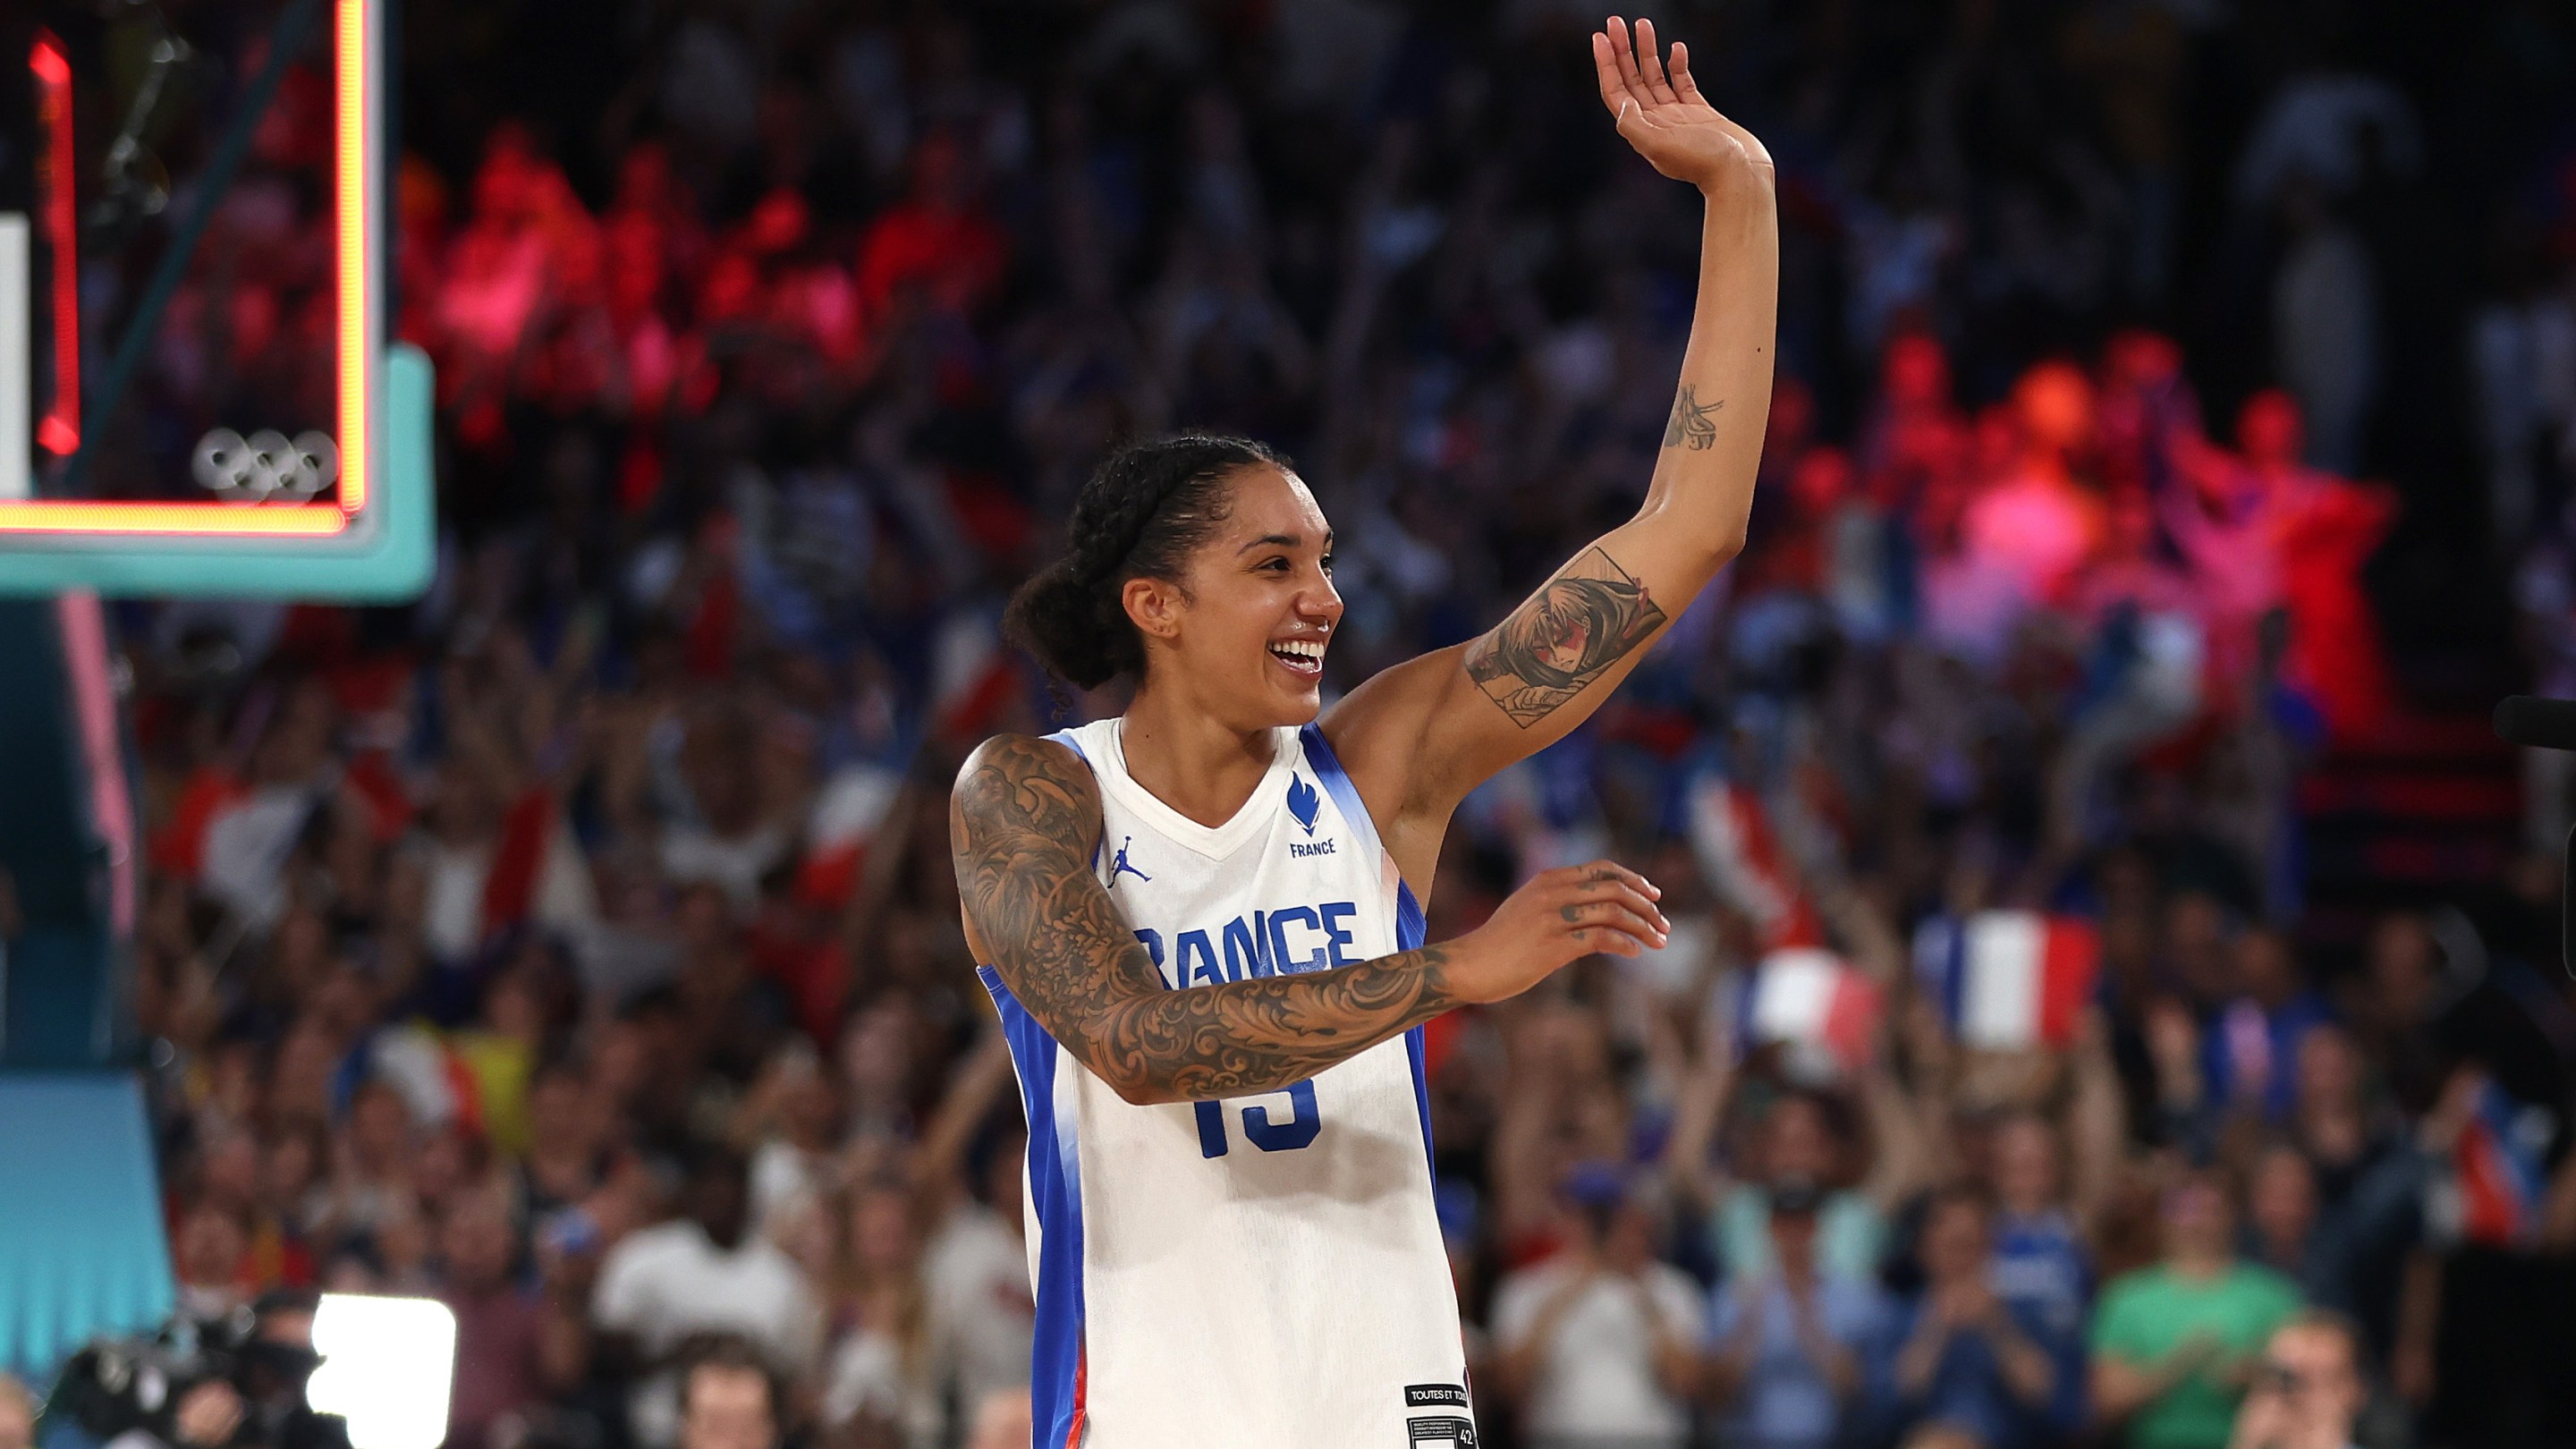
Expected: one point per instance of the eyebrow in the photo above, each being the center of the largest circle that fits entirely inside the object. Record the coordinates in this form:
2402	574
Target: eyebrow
1281	540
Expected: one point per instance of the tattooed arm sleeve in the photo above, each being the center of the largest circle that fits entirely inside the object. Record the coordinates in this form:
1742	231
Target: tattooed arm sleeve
1022	825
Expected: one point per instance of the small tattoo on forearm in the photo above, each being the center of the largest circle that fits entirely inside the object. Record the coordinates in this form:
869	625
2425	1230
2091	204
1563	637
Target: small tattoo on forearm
1577	625
1693	424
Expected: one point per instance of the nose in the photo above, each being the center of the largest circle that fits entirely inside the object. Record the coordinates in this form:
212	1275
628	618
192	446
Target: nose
1320	602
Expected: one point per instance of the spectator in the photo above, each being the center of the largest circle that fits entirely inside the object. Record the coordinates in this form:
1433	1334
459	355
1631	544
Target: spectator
499	1363
881	1379
698	1273
2174	1344
1600	1344
1800	1140
2281	1221
1959	1354
2308	1390
729	1396
2041	1266
2252	1047
1786	1365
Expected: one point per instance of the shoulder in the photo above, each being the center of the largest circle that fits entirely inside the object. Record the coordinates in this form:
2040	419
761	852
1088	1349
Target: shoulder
2268	1287
1524	1288
1015	756
1675	1285
781	1282
648	1251
2129	1293
1026	780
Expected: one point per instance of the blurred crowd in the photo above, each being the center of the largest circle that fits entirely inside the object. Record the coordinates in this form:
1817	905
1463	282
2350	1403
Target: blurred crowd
579	945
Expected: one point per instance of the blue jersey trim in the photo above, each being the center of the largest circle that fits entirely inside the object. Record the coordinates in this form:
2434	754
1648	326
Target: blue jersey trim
1055	1191
1409	933
1409	927
1337	783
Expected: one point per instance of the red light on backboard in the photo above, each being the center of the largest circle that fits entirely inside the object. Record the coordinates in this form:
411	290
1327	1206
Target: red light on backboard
59	432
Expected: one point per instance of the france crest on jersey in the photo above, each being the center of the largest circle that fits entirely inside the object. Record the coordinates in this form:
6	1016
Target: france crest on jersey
1259	1271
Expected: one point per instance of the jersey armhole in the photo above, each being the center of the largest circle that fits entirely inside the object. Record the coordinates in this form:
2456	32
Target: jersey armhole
1337	782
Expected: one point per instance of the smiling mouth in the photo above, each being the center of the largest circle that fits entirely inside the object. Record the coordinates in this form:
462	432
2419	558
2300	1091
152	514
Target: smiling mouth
1301	656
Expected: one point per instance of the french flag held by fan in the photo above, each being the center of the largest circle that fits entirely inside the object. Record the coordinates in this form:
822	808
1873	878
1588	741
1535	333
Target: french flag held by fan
2496	1171
2008	980
1815	1003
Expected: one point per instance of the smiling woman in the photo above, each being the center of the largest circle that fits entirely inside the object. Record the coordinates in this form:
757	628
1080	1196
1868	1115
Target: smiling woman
1202	919
1141	515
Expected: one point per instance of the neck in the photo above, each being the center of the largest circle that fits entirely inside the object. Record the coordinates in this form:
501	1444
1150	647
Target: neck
2193	1264
1189	759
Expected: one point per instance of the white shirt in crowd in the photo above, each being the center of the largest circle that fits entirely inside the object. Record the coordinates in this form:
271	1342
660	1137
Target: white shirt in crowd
982	1317
665	1283
975	1278
1596	1377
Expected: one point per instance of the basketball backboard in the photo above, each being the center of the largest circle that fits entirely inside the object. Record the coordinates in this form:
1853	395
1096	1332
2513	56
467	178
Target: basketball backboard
195	392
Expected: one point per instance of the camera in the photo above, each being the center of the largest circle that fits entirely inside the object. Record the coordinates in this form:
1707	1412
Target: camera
116	1386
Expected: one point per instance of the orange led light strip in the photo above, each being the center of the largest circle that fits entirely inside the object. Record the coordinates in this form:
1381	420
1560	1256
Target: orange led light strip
59	433
211	520
350	157
355	256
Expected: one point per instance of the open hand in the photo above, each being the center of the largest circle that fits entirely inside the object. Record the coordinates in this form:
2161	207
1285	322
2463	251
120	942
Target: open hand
1663	115
1556	917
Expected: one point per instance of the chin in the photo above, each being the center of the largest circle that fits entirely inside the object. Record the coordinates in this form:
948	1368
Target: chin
1296	710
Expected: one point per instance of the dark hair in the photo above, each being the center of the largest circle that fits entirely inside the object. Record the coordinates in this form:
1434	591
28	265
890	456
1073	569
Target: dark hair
729	1353
1138	516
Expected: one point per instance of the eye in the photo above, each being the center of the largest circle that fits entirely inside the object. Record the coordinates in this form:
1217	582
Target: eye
1277	565
1328	563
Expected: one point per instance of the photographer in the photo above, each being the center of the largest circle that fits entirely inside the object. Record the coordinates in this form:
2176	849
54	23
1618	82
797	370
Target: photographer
231	1383
2307	1391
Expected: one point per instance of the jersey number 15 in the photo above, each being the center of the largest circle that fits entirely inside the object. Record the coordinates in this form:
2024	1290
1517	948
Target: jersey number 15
1298	1131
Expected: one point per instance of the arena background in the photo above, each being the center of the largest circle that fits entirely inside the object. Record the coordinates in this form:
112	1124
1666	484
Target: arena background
2168	471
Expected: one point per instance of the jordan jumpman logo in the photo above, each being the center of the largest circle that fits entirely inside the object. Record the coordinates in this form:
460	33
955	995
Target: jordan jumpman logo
1118	865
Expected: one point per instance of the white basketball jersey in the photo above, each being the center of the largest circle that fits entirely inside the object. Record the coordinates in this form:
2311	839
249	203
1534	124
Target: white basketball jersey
1265	1270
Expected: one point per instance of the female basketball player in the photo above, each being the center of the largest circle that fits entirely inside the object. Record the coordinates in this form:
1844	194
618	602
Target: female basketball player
1201	919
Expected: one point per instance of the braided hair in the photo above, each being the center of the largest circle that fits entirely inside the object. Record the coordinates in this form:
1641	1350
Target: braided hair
1139	516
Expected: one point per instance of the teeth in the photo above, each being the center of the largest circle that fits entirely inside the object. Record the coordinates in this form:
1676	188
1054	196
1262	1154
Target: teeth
1311	651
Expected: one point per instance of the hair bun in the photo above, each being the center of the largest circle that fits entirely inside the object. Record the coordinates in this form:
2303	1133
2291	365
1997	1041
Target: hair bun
1139	515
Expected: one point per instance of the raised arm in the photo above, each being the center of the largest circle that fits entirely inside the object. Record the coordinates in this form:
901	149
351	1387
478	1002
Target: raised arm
1023	825
1436	727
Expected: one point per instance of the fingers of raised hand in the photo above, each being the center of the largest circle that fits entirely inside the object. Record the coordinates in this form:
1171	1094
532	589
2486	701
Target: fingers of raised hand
1611	906
1623	49
1632	921
1683	86
1605	67
1602	874
1621	904
1650	65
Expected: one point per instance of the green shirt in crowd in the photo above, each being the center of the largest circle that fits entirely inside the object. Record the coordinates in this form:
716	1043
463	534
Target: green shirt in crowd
2148	1314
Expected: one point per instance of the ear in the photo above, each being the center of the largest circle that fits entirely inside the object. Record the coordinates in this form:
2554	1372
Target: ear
1155	606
